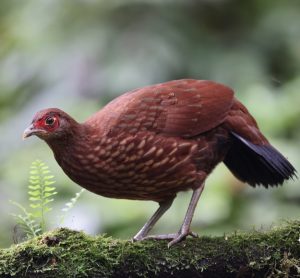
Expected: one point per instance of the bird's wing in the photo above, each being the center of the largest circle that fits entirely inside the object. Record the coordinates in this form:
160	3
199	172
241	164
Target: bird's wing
180	108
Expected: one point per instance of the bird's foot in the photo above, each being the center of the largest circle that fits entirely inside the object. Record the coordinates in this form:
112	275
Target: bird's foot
180	236
175	238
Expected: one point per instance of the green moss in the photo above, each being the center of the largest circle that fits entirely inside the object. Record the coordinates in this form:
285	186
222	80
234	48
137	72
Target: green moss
66	253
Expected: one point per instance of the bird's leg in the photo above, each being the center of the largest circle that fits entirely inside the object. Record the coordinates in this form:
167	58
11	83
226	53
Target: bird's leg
163	207
185	227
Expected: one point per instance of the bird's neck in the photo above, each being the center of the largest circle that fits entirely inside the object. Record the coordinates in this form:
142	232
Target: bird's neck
62	146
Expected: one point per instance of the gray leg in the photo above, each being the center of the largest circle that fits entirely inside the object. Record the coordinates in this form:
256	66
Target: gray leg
185	227
163	207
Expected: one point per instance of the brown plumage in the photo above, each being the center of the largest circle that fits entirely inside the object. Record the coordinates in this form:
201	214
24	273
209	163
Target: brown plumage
153	142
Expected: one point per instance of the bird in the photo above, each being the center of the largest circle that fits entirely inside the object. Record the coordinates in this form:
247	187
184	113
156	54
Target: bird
153	142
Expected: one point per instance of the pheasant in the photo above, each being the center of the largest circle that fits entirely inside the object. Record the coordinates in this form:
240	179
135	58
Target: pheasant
153	142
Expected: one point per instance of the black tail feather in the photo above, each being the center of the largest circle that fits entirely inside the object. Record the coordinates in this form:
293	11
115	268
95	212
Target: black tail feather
258	164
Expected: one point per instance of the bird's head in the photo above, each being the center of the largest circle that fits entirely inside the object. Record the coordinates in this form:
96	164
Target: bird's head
49	123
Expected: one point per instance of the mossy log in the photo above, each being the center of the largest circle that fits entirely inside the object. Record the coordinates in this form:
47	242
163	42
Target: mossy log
66	253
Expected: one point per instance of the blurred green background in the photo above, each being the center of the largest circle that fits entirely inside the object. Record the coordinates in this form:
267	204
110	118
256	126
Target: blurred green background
77	55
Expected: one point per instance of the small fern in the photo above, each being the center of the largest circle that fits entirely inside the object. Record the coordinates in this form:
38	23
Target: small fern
41	191
26	222
69	205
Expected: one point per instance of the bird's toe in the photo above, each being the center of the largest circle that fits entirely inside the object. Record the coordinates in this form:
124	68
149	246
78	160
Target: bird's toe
181	236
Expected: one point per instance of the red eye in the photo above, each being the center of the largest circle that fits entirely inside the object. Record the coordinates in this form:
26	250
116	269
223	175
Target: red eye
50	121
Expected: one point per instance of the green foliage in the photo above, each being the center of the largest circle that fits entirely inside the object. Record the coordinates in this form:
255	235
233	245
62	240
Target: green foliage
71	204
41	191
26	222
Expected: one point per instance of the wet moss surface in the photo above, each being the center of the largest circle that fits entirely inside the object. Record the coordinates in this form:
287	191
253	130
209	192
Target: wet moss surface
67	253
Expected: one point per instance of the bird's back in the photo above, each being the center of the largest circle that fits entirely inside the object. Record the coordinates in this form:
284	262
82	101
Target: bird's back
180	108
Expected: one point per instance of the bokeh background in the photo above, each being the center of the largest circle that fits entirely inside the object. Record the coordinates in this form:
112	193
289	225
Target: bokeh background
77	55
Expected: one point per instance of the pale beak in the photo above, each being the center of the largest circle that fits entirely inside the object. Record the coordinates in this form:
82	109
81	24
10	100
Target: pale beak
31	130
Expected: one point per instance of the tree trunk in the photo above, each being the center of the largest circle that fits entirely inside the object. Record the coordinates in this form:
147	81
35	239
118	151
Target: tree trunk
66	253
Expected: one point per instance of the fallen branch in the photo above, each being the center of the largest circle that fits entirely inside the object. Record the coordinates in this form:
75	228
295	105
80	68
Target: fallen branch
66	253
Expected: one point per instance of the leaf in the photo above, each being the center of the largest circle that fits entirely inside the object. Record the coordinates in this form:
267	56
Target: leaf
34	182
49	183
34	193
49	194
34	206
69	205
34	199
48	189
26	221
47	201
33	187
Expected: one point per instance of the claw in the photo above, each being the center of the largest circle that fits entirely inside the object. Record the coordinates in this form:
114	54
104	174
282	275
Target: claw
194	235
175	238
138	238
181	236
155	237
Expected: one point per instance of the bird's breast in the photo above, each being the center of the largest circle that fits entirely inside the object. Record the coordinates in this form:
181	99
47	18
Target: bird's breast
144	166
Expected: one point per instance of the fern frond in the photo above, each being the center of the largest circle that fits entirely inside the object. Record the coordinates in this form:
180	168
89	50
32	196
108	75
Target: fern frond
40	190
69	205
26	222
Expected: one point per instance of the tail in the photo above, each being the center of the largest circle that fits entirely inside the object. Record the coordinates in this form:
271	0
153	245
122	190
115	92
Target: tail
257	164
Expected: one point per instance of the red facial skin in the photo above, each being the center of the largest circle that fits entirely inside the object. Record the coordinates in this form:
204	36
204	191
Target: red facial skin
48	123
